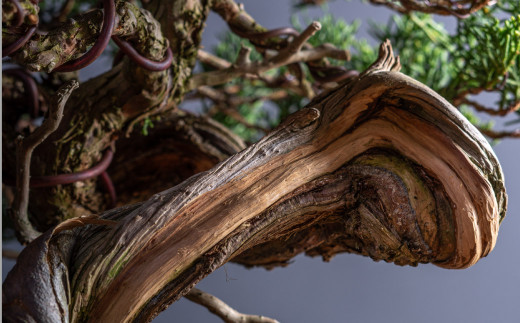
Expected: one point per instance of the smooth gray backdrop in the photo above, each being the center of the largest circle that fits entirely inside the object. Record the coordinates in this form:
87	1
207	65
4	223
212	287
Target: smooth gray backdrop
352	288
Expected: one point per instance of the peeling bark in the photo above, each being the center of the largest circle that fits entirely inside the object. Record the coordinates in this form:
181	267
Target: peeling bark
381	166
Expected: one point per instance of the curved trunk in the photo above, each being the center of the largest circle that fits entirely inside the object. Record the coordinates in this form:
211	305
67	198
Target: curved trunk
381	166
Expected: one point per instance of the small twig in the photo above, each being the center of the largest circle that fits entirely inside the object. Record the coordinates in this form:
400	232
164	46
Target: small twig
243	56
227	98
10	254
24	152
458	8
212	60
500	112
291	54
297	43
501	134
245	26
222	310
233	113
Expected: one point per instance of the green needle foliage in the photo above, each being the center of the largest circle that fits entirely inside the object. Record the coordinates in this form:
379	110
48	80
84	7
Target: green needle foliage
342	35
483	54
254	112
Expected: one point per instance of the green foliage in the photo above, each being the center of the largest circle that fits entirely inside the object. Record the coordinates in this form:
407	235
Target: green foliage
147	124
487	48
342	35
254	113
230	45
423	46
483	54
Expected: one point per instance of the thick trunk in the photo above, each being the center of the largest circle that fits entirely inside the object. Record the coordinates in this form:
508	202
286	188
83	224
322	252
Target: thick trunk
381	166
109	106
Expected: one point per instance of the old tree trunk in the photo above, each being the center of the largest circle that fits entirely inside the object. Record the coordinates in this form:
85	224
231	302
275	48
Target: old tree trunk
380	166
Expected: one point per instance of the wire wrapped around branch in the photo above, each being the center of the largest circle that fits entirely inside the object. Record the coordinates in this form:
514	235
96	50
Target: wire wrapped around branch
100	45
16	45
258	38
46	181
141	60
20	13
62	179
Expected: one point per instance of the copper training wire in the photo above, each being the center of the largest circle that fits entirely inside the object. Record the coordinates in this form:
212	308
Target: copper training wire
100	45
141	60
16	45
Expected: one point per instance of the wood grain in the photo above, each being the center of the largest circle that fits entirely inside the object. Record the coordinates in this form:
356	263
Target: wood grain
381	166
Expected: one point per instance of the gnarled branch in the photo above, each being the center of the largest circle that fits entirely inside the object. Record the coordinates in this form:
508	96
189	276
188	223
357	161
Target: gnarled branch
381	166
24	151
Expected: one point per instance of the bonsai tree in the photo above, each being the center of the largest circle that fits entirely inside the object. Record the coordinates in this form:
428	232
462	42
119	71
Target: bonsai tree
367	152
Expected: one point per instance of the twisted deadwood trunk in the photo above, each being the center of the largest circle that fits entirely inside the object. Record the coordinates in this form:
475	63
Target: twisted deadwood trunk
381	166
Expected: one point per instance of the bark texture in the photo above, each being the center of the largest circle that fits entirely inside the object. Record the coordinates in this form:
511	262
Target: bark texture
106	107
381	166
176	148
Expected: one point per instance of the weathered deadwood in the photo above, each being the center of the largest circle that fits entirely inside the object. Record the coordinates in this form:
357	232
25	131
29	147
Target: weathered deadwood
382	166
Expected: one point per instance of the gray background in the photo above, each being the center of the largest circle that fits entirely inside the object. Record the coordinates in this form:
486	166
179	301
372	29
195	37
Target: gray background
353	288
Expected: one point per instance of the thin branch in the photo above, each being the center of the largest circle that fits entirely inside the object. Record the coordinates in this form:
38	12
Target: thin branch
291	54
233	113
24	152
458	8
243	56
515	106
233	100
224	311
212	60
501	134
